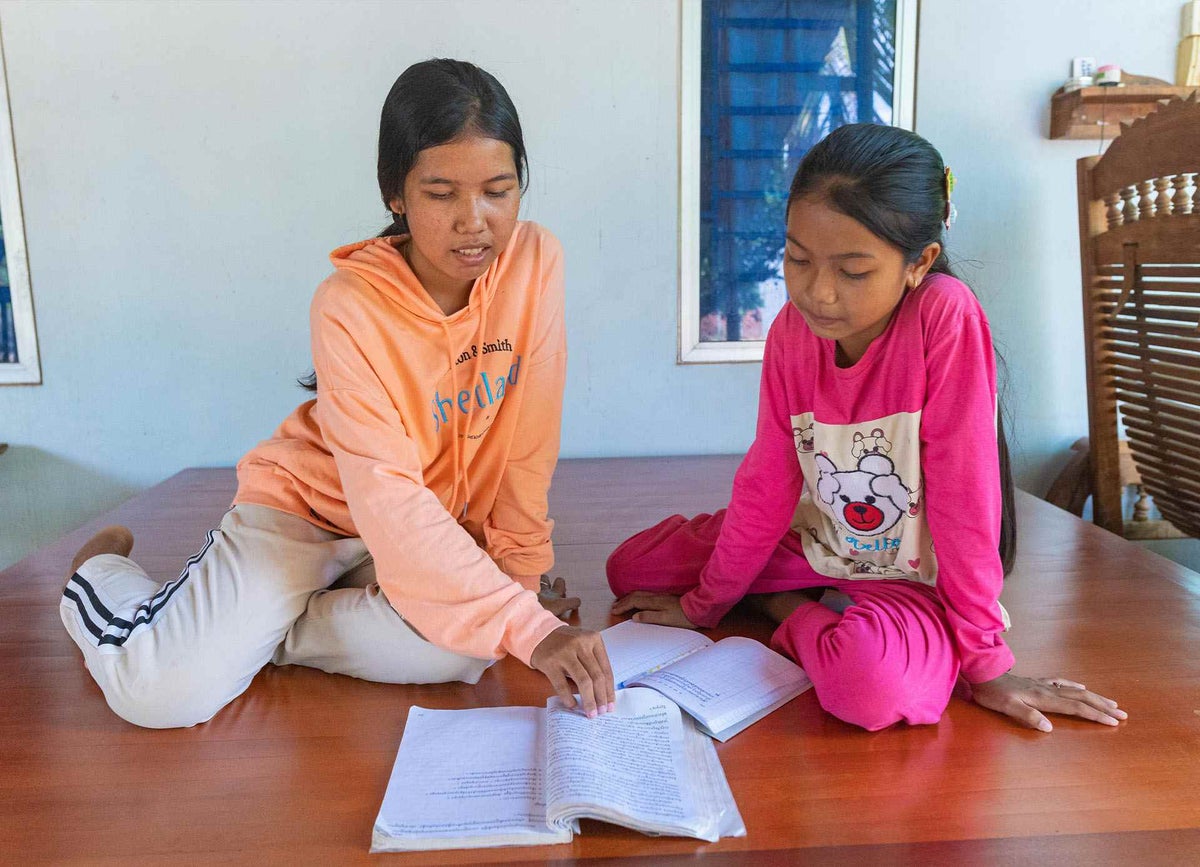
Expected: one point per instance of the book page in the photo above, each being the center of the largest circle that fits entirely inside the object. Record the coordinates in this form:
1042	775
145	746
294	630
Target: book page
732	680
466	778
714	799
628	766
635	649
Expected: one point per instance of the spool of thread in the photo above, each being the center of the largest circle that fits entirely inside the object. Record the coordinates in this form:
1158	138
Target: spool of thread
1108	75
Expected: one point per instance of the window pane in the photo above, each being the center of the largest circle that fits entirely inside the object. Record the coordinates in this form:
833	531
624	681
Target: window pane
777	76
8	332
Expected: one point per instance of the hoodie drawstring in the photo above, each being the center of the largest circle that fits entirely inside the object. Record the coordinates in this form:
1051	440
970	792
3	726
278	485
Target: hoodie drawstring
383	264
453	415
459	455
474	380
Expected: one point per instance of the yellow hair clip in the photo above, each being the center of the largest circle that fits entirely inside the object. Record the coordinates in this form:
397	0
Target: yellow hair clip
951	213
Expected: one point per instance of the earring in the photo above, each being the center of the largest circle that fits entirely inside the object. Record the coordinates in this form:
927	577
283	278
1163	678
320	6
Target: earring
400	221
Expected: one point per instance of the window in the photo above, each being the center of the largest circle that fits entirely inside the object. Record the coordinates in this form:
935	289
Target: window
18	339
761	82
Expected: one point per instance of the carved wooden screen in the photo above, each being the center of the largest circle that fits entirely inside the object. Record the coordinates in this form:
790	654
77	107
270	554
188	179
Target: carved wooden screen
1139	219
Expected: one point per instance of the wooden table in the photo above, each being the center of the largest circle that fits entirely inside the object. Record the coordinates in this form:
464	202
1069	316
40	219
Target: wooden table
294	770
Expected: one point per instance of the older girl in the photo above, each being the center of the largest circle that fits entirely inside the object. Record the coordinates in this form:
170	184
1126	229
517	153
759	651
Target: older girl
395	527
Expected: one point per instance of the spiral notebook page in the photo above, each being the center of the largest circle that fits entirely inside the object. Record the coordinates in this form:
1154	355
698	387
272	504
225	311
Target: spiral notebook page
728	682
635	649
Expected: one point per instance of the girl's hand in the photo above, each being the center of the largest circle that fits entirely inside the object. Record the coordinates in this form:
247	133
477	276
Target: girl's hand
554	598
1023	698
572	655
661	608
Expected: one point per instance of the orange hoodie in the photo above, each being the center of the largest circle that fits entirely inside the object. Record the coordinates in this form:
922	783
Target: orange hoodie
433	438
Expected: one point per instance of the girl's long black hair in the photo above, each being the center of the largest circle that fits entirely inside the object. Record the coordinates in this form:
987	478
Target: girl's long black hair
432	103
893	182
435	102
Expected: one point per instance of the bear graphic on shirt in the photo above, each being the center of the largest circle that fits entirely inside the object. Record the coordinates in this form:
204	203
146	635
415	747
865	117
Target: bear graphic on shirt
865	567
804	438
874	443
867	500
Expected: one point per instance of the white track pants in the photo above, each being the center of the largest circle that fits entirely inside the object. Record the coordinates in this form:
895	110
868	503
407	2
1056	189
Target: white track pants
266	587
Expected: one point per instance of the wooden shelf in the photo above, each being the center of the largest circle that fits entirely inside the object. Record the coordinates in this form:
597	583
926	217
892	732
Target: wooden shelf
1098	112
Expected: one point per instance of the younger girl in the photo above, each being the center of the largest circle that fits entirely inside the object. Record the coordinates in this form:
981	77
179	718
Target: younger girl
416	479
875	470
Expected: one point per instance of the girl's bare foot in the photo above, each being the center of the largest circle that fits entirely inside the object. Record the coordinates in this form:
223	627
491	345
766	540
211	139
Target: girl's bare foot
779	606
111	540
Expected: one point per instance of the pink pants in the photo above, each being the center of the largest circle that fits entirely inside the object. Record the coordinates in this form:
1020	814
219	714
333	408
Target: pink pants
888	657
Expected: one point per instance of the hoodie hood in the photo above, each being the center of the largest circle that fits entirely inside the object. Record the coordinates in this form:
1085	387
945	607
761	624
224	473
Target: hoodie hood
381	263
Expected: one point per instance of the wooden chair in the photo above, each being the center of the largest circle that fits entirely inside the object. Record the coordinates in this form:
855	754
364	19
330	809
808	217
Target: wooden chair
1139	238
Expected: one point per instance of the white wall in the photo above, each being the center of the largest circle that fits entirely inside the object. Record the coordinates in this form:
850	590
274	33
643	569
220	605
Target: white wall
986	72
185	167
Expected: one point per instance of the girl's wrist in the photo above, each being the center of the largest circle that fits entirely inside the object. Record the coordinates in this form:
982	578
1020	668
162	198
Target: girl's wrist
687	603
530	582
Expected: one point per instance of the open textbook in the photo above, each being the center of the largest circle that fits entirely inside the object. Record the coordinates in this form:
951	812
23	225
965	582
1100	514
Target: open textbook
726	686
522	776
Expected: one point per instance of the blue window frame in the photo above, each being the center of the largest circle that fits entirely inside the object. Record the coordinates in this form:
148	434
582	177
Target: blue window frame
8	330
763	81
19	362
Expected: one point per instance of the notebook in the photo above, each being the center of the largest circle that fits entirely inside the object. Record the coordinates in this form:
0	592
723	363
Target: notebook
725	686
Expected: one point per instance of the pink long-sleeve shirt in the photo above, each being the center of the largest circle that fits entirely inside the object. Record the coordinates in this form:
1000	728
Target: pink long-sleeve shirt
877	466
